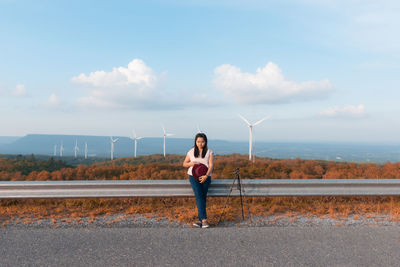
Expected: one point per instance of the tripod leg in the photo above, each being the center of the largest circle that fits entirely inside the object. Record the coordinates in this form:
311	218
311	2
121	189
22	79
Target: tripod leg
247	206
241	200
226	202
242	196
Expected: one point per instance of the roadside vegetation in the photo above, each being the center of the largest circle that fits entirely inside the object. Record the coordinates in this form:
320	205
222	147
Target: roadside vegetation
184	209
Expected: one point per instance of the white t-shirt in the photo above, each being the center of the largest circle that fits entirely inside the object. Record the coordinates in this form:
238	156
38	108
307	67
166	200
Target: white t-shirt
204	160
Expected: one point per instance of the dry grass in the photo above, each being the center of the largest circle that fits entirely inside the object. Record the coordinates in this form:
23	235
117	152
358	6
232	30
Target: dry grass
185	210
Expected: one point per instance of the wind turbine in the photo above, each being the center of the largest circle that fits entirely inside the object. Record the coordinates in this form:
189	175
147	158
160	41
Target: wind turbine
61	149
112	146
198	129
165	135
135	138
76	148
250	125
55	150
86	150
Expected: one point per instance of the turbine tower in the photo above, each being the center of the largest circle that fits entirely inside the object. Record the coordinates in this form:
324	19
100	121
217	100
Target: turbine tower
135	138
76	148
55	150
112	146
250	125
86	150
61	149
165	135
198	129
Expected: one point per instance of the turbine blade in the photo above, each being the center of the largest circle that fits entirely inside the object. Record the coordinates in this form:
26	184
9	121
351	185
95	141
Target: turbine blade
246	121
170	134
260	121
162	126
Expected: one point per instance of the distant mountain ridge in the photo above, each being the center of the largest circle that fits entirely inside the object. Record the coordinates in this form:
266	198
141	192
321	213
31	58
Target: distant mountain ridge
8	139
99	146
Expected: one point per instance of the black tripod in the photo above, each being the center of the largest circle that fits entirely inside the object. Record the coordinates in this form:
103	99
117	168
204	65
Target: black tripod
241	193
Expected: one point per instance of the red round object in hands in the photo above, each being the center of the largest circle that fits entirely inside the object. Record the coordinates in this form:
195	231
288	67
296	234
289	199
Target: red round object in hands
199	170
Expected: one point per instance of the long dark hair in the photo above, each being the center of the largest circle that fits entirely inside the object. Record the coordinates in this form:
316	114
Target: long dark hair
196	149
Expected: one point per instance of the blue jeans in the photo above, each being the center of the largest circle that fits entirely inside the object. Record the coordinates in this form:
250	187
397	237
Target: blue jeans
200	191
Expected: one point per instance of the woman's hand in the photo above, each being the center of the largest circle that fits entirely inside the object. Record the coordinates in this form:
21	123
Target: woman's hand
188	163
203	178
192	163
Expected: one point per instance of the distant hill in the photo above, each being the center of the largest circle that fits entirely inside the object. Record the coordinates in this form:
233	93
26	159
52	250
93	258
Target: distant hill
8	139
99	148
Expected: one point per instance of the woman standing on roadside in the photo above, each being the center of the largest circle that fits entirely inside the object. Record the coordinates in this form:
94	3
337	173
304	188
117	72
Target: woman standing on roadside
199	159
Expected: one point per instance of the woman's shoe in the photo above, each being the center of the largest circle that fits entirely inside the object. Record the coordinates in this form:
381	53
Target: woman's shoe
197	224
205	225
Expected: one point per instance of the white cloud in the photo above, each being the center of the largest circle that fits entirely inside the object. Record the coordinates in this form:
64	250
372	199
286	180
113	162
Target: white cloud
137	74
19	91
52	102
267	85
346	111
134	87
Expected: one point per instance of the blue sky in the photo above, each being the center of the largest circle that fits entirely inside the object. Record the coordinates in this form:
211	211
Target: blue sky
323	70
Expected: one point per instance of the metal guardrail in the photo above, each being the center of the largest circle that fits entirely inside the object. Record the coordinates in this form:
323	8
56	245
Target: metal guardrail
182	188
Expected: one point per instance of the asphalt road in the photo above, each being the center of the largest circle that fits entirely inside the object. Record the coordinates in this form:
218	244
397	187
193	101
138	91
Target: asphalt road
225	246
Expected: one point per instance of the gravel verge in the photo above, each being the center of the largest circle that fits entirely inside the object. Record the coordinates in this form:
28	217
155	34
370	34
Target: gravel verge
134	221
